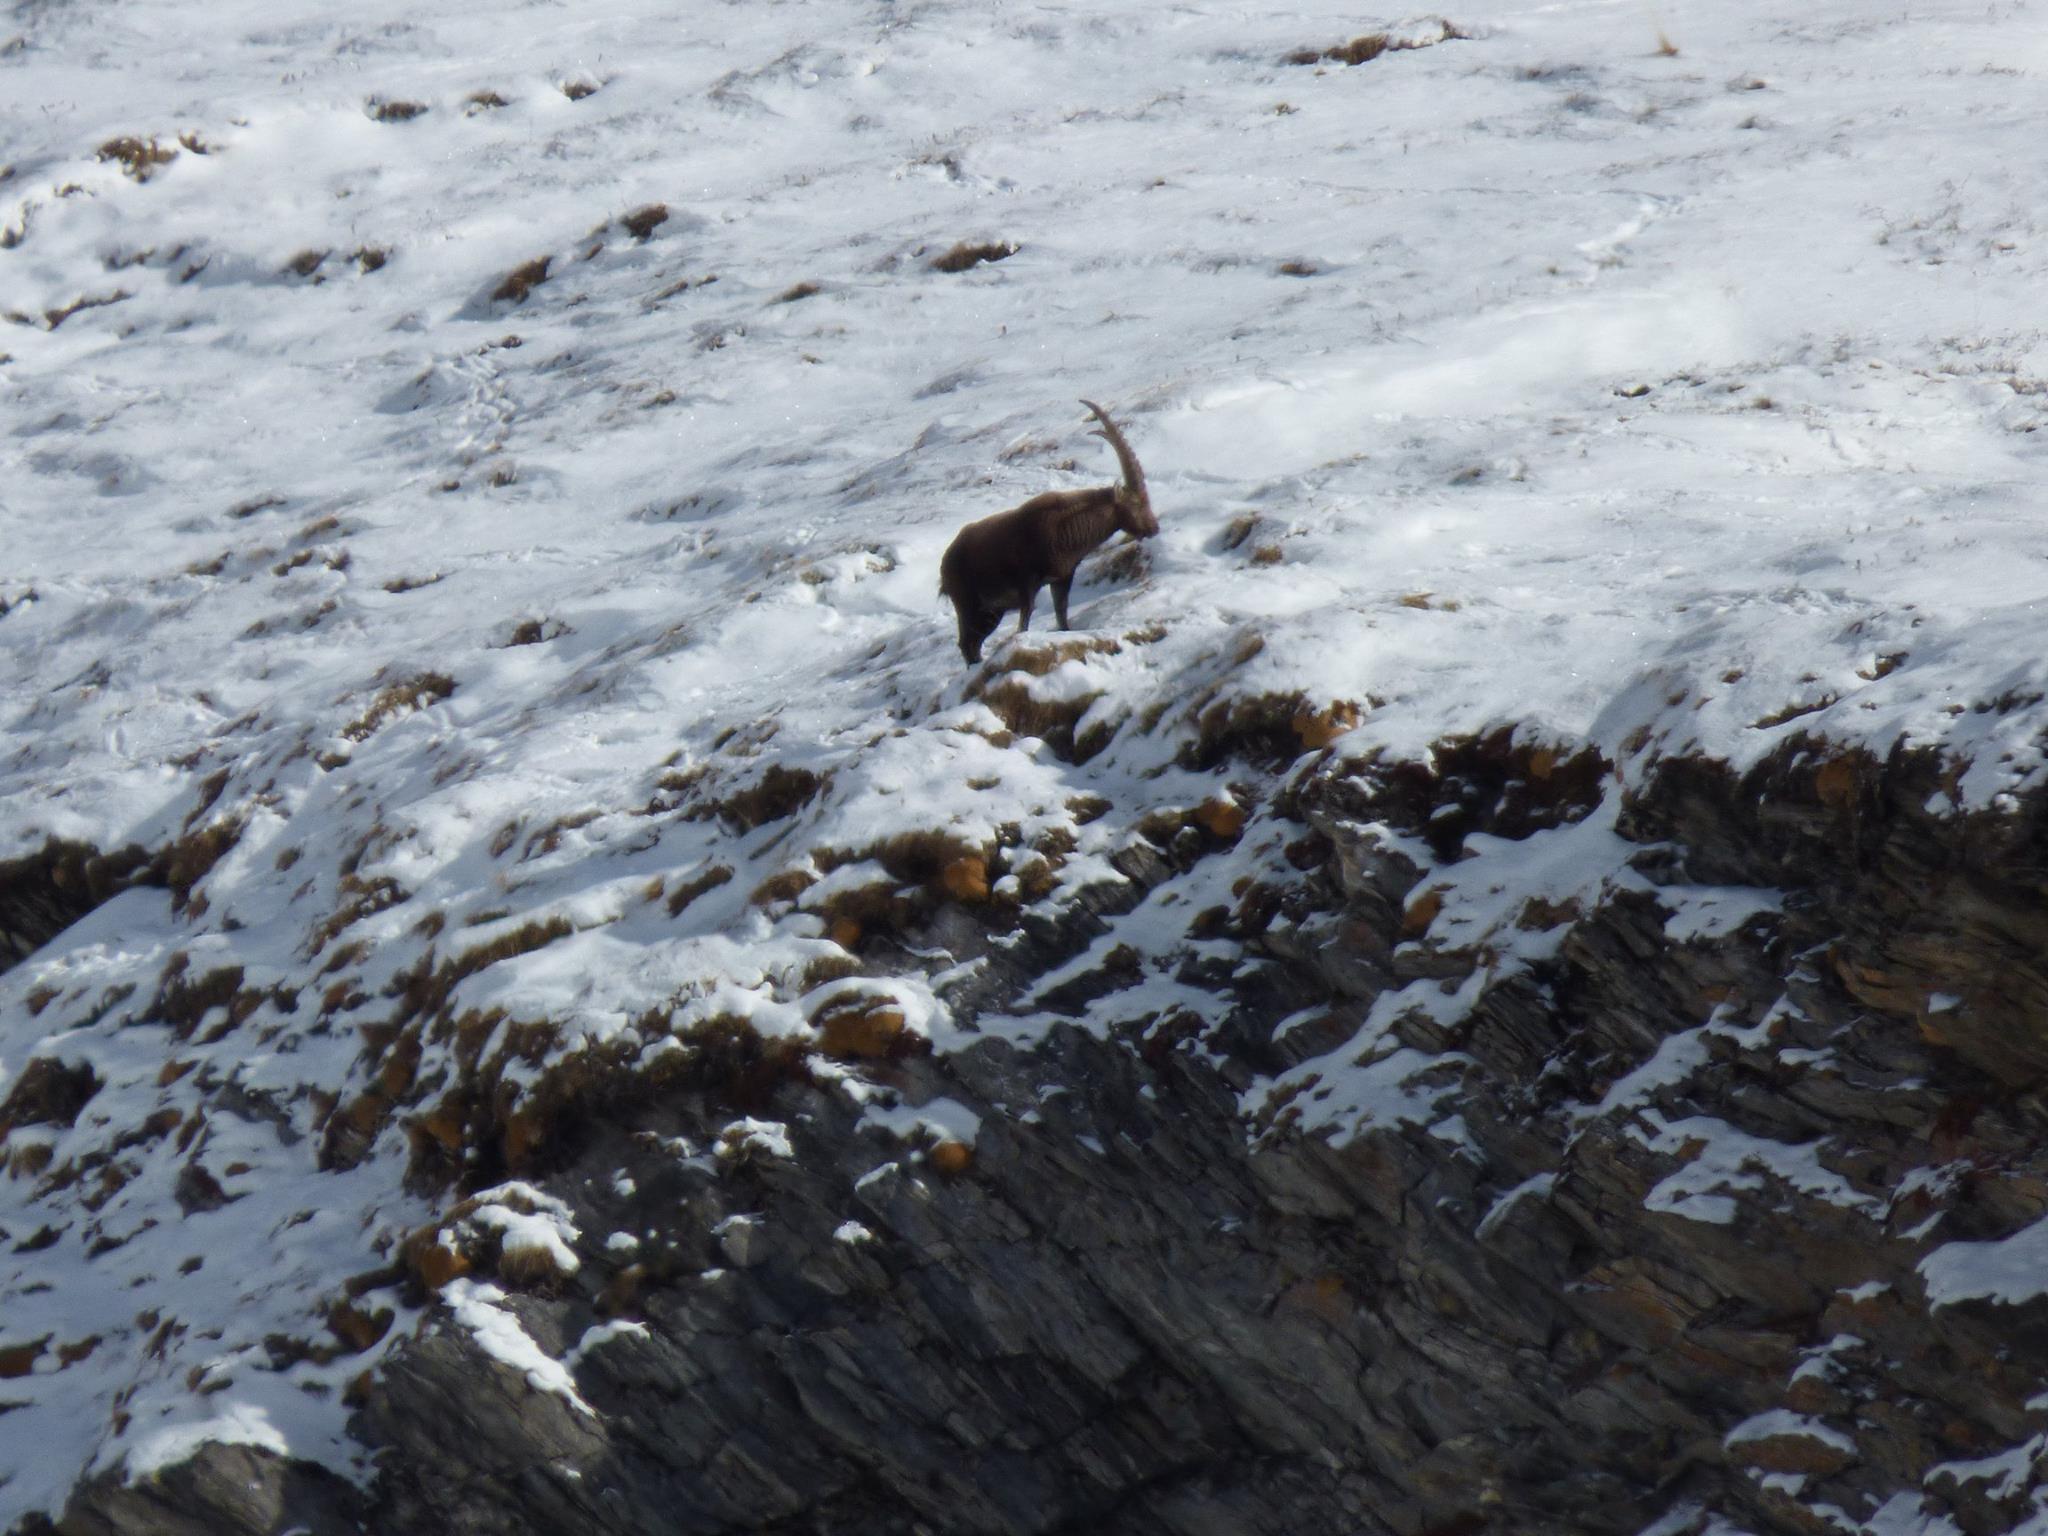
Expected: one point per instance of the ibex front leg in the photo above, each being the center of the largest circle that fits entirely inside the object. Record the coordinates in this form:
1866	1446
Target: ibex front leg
1024	606
1061	586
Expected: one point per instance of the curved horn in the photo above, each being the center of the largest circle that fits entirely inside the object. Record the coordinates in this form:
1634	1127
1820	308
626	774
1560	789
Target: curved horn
1134	475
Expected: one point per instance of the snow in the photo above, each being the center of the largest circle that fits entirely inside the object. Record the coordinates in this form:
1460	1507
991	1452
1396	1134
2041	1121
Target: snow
1783	1423
942	1119
2006	1473
1570	387
1719	1157
747	1136
476	1307
1536	1186
2007	1271
544	1230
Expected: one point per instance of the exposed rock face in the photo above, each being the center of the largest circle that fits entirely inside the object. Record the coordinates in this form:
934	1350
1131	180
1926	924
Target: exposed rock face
1667	1217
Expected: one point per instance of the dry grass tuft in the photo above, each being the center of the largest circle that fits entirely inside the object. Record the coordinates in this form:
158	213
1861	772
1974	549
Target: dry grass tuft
139	158
1368	46
1360	50
47	1092
400	698
394	111
645	220
370	258
187	861
710	880
522	280
306	263
481	101
576	90
971	254
796	291
56	317
784	885
778	793
863	1028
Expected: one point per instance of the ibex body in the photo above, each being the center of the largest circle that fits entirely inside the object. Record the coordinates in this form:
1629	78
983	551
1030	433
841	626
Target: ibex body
1000	562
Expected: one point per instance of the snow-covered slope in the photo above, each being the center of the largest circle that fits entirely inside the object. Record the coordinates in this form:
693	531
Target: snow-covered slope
524	665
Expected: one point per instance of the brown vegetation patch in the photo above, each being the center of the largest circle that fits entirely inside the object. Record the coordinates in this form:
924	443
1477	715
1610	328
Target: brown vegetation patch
1316	726
783	885
184	1001
548	839
140	158
418	692
973	253
45	892
1222	817
778	793
47	1092
481	101
576	90
937	860
708	880
394	111
360	899
1368	46
17	1360
186	862
356	1329
1025	713
395	1046
306	263
643	221
1793	712
56	317
965	878
862	1027
796	291
370	258
522	280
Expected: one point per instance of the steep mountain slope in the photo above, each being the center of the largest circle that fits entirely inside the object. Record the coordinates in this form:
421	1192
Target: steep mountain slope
1492	982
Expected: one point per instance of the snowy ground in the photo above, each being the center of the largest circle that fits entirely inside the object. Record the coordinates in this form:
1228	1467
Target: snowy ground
1534	374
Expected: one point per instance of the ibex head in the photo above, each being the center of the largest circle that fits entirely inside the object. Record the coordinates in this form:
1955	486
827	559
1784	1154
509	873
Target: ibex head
1133	506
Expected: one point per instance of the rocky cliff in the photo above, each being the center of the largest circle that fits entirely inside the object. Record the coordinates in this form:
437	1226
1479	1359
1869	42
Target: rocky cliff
1701	1197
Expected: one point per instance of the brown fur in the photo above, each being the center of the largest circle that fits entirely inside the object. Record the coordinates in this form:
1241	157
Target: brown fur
1000	562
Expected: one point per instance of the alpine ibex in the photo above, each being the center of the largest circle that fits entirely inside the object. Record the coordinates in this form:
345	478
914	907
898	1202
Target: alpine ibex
1000	562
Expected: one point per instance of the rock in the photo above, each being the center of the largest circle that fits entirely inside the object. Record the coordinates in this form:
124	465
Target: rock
1634	1222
